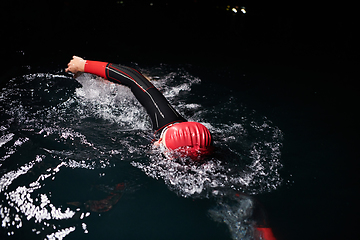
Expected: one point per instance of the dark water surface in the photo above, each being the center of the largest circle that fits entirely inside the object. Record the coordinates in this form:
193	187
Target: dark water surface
62	139
65	142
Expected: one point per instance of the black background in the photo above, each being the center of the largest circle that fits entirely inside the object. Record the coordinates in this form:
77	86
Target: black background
305	54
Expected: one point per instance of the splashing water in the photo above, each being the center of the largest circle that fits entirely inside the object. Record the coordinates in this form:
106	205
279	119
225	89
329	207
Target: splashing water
51	124
247	151
237	213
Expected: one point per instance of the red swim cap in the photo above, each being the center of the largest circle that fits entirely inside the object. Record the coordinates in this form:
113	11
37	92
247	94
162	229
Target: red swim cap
193	137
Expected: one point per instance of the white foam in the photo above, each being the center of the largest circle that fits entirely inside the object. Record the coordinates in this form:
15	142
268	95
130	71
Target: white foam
6	138
237	215
109	101
252	164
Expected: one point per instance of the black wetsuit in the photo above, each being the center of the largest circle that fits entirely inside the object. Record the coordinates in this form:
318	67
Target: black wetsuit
159	109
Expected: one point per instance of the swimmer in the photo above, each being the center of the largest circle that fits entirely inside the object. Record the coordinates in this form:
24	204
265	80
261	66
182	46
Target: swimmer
175	132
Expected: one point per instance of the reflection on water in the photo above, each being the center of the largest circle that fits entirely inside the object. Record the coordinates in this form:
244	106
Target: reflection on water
57	133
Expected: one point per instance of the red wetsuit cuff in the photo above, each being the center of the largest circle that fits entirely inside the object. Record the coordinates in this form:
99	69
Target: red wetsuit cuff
95	67
266	233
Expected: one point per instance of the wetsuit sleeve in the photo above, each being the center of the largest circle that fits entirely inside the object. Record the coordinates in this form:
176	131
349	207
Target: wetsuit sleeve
159	109
95	67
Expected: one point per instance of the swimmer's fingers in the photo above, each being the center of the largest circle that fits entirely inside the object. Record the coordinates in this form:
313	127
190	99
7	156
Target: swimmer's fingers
68	69
71	66
76	73
72	70
76	66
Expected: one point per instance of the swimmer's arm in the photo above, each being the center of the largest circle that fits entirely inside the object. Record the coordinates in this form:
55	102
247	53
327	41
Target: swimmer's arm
78	65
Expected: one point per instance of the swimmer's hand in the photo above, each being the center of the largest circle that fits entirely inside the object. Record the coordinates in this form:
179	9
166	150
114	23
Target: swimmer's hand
76	66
